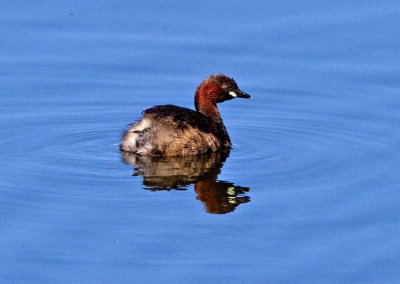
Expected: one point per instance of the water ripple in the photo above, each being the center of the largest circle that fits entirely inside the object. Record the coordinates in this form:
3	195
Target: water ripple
307	142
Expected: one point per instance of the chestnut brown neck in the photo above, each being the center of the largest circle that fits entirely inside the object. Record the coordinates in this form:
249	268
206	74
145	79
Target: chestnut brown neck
205	100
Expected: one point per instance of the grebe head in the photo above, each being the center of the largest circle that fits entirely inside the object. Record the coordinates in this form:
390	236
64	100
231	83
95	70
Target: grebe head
216	89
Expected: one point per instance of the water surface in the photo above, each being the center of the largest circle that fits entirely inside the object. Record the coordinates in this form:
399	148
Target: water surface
309	192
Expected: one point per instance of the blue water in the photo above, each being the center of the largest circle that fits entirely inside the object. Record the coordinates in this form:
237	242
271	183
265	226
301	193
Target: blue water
308	194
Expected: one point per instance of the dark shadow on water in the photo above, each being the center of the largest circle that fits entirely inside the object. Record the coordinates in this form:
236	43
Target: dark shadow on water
178	173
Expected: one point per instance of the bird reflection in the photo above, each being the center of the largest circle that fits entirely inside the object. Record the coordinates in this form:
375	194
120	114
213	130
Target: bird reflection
178	173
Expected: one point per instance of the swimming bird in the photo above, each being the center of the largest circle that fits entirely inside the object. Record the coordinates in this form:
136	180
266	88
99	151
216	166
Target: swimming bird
168	130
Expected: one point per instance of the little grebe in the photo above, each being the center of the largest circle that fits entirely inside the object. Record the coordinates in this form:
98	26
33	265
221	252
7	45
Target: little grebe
169	130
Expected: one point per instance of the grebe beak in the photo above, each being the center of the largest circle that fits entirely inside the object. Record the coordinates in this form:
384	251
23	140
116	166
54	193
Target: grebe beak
239	94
